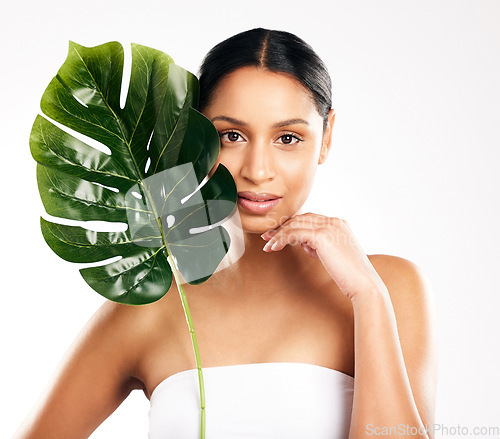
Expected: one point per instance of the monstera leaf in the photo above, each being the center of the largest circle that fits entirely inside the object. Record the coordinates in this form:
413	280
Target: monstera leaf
159	151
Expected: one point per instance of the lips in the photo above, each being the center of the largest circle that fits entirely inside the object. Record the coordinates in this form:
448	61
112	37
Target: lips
257	202
258	196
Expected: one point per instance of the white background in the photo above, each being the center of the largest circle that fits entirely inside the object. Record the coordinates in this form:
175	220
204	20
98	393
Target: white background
413	168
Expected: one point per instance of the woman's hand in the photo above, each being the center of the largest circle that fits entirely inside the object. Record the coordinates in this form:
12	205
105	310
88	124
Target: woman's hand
332	241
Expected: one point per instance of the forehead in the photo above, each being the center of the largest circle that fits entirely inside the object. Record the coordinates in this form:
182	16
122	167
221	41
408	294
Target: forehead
251	88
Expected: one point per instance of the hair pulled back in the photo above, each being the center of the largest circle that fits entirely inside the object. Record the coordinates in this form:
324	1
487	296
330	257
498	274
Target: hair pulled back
274	50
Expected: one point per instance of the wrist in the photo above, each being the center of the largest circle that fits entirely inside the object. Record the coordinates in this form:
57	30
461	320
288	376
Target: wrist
375	292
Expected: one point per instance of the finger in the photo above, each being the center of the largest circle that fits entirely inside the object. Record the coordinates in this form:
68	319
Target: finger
307	219
269	234
291	236
290	223
309	250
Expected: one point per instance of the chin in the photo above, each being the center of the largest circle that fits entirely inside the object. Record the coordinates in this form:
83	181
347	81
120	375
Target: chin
261	224
255	228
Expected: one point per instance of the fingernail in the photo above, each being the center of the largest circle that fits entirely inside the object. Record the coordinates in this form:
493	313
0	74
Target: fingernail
266	247
273	247
268	234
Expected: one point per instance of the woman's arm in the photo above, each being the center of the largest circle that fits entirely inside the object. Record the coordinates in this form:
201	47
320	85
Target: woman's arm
395	354
94	377
394	329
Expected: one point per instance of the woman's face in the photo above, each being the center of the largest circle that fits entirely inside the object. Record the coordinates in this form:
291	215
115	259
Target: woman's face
271	141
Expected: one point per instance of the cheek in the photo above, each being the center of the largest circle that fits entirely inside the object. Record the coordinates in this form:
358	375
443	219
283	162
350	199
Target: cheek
230	161
215	166
299	175
301	166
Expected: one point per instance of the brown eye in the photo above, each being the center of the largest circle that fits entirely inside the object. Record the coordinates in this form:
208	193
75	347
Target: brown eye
288	139
232	136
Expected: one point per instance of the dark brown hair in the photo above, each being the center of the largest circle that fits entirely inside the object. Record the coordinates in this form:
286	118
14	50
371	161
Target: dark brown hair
274	50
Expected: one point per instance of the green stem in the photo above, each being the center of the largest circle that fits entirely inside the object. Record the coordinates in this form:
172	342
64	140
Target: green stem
194	342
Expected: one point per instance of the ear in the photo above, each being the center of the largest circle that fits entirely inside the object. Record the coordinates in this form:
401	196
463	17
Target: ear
327	137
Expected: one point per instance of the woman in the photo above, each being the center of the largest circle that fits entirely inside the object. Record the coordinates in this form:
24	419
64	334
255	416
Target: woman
313	340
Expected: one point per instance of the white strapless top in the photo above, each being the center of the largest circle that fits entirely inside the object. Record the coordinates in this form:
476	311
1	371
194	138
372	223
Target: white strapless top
259	400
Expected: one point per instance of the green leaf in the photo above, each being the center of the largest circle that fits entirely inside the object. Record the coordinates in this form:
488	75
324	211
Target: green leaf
161	151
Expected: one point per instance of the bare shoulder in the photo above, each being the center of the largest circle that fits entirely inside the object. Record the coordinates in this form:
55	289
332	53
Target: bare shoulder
407	283
410	292
126	333
96	374
127	323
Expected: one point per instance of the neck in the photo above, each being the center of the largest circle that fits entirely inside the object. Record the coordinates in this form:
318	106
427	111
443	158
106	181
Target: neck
264	272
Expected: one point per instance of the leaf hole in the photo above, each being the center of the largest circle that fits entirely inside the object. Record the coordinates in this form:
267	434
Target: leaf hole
99	263
114	189
80	101
82	137
96	226
202	183
127	69
170	221
149	141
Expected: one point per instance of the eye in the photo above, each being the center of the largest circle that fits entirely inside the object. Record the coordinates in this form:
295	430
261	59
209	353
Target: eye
288	138
232	136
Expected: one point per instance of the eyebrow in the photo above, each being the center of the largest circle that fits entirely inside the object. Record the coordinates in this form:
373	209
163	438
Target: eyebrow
283	123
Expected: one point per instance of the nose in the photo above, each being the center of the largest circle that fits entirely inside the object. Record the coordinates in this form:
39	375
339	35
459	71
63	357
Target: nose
258	164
